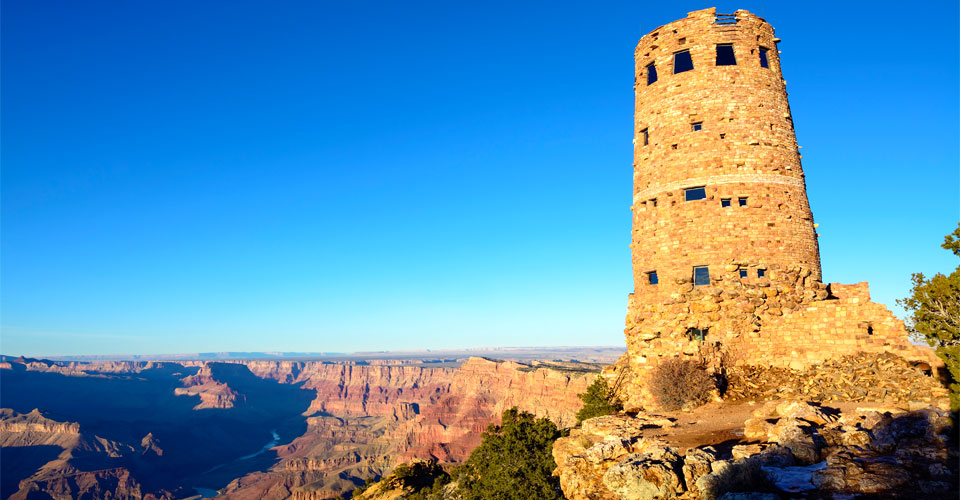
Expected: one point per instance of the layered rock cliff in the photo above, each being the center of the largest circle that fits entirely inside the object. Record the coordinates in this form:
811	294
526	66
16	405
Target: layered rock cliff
339	423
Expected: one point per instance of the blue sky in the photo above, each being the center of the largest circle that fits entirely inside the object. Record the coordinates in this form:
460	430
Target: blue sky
339	176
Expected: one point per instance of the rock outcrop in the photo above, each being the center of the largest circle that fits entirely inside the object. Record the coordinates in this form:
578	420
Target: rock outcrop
889	451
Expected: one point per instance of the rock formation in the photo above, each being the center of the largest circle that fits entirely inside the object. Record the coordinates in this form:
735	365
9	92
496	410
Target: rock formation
339	423
886	451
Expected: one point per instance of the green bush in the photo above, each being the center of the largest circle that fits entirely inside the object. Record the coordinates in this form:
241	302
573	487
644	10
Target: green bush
677	383
934	308
513	462
598	400
420	476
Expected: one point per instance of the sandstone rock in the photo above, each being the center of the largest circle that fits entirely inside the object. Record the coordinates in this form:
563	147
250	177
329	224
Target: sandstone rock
846	472
918	433
646	476
696	464
757	429
730	475
799	438
803	410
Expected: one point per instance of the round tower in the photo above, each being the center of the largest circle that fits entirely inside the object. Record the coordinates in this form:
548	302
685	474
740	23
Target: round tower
719	199
717	175
725	256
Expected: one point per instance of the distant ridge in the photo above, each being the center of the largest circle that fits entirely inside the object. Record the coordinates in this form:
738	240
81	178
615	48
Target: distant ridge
565	353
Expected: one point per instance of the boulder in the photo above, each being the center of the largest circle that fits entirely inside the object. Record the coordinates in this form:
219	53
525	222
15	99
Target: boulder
696	464
653	474
799	437
757	429
741	474
861	474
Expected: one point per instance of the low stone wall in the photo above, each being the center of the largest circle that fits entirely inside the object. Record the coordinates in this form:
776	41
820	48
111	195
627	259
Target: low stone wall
787	319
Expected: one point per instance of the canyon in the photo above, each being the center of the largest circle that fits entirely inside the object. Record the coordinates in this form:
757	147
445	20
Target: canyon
159	429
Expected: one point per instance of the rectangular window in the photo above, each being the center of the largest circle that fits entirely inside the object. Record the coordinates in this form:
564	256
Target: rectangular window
694	194
724	202
653	201
701	276
743	273
725	55
761	273
645	136
697	333
652	278
742	202
763	58
697	126
651	74
682	62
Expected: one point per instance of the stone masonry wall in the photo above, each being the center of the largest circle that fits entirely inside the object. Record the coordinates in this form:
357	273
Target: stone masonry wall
728	129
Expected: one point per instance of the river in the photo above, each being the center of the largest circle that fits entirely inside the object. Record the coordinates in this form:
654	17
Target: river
208	493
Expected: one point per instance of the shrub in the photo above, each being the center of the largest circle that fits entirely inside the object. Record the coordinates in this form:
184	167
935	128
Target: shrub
417	475
598	400
513	462
934	308
677	383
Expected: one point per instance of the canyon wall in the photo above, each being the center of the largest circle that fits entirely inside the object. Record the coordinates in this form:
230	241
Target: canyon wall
339	423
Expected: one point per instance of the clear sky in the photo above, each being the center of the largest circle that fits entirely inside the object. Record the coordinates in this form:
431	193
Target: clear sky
338	176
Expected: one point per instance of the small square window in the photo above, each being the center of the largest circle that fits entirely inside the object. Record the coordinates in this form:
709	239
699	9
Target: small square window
694	194
697	126
652	278
742	202
725	56
743	273
651	73
763	58
645	136
761	273
724	202
723	136
697	333
682	62
701	276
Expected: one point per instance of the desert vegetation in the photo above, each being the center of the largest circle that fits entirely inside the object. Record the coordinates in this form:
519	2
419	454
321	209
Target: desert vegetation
934	306
678	383
598	400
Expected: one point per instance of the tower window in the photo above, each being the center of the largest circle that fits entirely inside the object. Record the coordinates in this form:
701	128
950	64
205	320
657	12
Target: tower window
697	333
697	126
651	73
763	58
743	273
761	273
742	201
645	136
701	276
724	202
652	278
682	62
694	194
725	55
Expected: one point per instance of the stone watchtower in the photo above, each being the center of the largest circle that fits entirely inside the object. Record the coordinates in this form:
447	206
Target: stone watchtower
724	246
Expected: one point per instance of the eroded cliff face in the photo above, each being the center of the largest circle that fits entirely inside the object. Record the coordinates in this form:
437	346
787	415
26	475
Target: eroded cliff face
357	421
369	418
